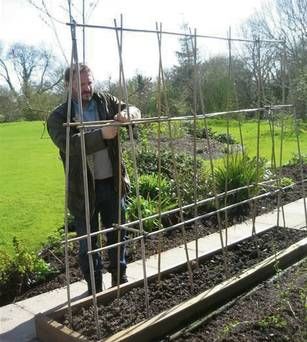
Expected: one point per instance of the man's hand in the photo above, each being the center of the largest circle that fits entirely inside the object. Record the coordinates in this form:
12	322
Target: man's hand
122	117
109	132
134	113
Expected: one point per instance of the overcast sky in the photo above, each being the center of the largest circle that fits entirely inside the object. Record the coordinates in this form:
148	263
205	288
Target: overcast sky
19	21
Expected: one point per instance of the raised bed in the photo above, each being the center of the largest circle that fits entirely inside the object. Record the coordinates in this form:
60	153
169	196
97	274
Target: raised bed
50	327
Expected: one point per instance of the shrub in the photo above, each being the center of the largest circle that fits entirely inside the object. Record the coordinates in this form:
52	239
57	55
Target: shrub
296	159
239	172
149	186
148	207
225	138
149	189
21	270
148	162
54	240
200	131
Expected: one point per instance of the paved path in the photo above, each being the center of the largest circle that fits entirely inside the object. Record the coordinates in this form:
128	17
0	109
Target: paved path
17	320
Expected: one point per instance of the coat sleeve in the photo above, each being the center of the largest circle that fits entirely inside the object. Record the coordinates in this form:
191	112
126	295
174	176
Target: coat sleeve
57	131
119	106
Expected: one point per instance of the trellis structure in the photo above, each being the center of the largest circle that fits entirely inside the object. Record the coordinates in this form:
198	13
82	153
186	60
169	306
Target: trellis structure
164	116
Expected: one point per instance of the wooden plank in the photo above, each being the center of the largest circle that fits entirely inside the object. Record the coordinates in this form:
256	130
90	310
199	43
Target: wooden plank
48	330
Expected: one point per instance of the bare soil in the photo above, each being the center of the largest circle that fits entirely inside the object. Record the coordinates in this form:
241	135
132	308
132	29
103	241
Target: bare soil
276	311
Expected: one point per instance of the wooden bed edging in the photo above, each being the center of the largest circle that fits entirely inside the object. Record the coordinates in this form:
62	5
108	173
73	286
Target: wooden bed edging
49	330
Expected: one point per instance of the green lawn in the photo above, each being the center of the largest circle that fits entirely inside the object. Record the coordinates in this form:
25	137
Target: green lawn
31	183
249	133
32	178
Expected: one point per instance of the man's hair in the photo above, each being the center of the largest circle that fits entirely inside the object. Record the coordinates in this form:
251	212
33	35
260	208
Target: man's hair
82	68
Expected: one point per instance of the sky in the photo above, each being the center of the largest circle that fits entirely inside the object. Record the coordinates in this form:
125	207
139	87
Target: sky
21	22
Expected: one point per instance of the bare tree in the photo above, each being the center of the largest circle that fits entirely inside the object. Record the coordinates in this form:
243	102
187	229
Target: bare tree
31	74
82	14
280	20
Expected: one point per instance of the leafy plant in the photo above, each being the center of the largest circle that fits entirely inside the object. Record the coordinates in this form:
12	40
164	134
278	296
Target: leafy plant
149	188
296	159
273	321
22	270
229	328
237	172
225	138
286	181
150	185
148	207
54	240
200	131
148	162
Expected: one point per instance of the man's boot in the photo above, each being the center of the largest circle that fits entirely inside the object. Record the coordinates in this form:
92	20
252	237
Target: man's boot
98	283
122	277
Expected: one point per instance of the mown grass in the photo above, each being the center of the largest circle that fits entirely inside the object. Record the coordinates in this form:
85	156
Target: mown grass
32	179
249	130
31	183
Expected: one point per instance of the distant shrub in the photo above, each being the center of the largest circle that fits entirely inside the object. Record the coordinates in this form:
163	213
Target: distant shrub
296	159
225	138
201	132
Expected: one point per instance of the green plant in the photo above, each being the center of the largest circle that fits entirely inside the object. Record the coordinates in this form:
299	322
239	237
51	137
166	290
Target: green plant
148	207
238	171
229	328
286	181
225	138
30	267
54	240
296	159
148	162
150	186
199	131
21	270
272	321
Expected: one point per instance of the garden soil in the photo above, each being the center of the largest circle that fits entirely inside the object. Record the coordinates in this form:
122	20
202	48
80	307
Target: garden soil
276	311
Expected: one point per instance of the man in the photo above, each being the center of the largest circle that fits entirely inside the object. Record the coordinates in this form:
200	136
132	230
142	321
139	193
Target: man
102	169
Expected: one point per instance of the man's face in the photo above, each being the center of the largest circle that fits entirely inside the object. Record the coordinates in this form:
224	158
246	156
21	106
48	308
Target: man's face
87	86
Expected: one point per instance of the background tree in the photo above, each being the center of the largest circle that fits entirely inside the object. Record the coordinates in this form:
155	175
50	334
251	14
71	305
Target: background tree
140	92
180	78
8	105
33	76
222	91
282	20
